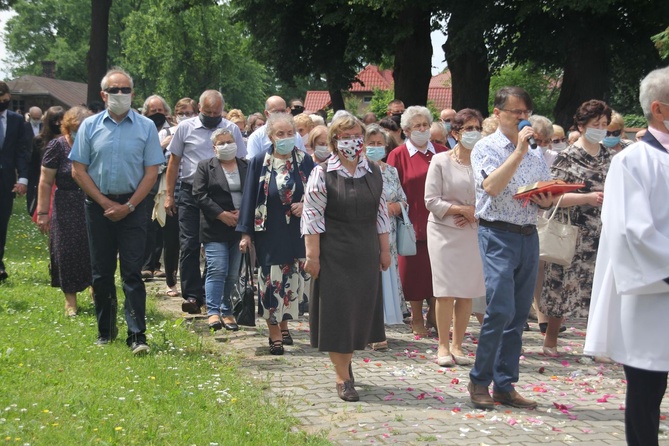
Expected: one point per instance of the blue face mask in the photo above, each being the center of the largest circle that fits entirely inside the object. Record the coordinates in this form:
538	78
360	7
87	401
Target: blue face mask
375	153
611	141
284	146
447	127
73	135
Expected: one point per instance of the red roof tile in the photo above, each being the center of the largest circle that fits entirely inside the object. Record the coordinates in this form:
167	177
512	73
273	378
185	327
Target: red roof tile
316	100
68	92
371	78
441	80
441	97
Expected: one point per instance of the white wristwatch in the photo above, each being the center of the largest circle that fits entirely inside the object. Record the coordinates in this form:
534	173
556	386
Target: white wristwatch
130	206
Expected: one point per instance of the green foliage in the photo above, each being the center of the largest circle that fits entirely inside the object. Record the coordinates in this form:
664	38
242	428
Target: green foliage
352	104
379	102
661	42
540	84
59	388
635	121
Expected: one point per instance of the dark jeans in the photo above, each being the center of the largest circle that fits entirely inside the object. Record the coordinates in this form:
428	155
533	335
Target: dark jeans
189	236
171	249
645	390
125	238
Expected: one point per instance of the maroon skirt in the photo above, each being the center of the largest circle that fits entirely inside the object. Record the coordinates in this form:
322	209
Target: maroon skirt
416	273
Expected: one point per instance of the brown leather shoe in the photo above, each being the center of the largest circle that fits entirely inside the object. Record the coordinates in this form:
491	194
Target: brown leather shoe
347	392
190	306
480	396
513	399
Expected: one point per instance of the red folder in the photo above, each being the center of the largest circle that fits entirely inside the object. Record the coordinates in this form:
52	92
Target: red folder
556	187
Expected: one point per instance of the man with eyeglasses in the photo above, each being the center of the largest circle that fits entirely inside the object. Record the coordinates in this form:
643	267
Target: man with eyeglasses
191	144
509	245
259	141
446	117
115	161
14	146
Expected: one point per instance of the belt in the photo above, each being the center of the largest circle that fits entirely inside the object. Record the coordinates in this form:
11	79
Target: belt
119	198
509	227
187	187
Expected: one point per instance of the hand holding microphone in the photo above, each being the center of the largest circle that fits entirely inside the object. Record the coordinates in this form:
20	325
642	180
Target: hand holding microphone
525	123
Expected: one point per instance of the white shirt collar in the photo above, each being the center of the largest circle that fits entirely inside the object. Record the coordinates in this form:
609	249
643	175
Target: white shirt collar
413	149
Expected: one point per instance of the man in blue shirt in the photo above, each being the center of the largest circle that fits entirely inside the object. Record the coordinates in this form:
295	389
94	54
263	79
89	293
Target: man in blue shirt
509	247
115	161
259	142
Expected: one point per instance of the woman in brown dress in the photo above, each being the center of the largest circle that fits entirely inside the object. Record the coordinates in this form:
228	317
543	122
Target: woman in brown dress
70	266
345	224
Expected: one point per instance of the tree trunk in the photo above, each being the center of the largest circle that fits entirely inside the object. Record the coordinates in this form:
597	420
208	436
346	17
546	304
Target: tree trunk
412	70
467	59
586	76
337	99
96	58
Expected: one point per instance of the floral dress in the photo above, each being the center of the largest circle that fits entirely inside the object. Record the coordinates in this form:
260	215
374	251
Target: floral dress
394	305
566	290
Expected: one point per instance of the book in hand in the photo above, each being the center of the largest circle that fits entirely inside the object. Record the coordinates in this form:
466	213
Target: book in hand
555	187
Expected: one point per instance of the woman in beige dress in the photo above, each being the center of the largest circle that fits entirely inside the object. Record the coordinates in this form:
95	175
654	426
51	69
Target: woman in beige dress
452	237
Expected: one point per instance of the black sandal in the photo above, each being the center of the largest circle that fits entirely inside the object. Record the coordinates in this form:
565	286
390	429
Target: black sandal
276	347
286	337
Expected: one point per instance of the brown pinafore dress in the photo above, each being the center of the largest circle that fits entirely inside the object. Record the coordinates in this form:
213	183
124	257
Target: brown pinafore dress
346	308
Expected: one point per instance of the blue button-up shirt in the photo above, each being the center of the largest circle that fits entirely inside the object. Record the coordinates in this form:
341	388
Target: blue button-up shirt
117	153
192	143
259	142
490	153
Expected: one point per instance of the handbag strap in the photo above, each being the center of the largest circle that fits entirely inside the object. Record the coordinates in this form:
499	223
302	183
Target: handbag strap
246	265
557	205
405	214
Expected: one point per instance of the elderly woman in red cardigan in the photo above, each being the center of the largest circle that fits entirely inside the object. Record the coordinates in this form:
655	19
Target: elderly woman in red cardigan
411	160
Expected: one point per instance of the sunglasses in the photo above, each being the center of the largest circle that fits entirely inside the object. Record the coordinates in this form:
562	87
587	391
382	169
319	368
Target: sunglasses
613	133
117	90
472	128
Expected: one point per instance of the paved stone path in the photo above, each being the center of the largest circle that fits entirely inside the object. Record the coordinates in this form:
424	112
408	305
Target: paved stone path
406	398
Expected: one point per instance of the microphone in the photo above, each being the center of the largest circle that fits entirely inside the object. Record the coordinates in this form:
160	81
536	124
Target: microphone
521	125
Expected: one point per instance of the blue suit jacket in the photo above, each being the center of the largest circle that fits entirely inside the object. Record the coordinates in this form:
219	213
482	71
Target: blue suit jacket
14	151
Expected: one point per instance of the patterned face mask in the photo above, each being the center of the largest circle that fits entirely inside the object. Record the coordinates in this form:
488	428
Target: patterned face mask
350	148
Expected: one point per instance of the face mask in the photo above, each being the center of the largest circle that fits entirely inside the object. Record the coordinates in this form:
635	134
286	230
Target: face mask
284	146
447	127
420	138
559	147
35	122
55	128
210	121
375	153
595	135
4	106
158	119
73	135
322	152
182	118
226	152
397	117
297	110
350	149
119	103
610	141
469	139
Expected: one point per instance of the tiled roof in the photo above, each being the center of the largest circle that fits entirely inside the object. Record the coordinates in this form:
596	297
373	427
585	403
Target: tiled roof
372	78
316	100
441	97
441	80
67	92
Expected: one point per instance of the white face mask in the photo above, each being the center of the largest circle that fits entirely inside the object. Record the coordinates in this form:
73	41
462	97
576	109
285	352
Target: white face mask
119	103
469	139
420	138
226	152
666	124
35	122
559	147
594	135
322	152
350	148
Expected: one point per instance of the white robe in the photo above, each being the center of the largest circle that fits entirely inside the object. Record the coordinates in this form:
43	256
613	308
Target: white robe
629	309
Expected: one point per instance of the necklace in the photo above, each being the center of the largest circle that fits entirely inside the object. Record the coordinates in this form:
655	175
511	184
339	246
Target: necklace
457	157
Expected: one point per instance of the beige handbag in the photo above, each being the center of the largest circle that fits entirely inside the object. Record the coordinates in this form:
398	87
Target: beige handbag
557	241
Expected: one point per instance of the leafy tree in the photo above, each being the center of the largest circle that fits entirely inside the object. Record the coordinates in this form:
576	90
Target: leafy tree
661	41
379	103
542	86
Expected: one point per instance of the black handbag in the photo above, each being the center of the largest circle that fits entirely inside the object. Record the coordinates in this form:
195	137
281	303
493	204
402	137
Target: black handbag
244	308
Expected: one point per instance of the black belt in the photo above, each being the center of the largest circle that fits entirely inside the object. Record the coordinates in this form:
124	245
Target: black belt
122	198
187	187
509	227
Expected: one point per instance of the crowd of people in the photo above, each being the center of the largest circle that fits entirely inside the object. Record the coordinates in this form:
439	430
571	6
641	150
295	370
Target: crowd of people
314	205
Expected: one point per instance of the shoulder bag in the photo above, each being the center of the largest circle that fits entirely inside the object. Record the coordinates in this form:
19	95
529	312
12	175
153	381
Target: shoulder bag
406	236
557	241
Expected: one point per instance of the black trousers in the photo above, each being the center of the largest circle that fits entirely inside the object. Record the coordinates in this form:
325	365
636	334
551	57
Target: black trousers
171	249
125	238
645	390
154	239
6	204
189	236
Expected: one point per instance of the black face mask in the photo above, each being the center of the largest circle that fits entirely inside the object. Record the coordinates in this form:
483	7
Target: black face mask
55	128
210	121
397	117
158	119
4	106
296	110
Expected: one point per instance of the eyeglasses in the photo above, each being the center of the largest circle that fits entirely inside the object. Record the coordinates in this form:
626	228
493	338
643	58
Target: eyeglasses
472	128
559	140
518	112
348	137
613	133
185	115
117	90
446	120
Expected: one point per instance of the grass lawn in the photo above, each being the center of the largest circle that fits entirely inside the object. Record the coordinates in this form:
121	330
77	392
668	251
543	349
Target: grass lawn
58	388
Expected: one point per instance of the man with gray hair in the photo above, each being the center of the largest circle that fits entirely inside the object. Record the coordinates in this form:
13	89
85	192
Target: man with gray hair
191	144
115	161
259	141
630	293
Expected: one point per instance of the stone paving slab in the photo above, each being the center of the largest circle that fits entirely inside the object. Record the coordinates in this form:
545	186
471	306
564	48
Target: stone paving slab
406	398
